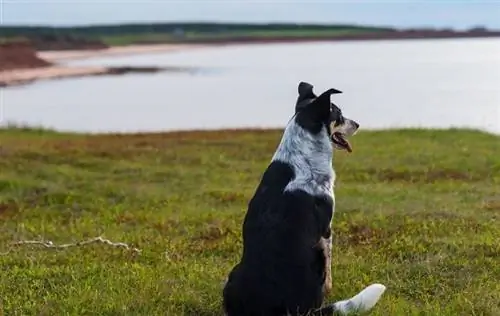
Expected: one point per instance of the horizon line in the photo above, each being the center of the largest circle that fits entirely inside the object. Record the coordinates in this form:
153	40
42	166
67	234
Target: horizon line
275	23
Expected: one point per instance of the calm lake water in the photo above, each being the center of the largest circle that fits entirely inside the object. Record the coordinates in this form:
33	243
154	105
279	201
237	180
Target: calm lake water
386	84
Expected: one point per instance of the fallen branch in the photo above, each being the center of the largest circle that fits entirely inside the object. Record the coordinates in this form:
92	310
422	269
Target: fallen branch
50	244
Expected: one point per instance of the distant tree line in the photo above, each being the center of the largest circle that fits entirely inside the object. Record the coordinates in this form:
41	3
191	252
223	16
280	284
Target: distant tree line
101	36
134	29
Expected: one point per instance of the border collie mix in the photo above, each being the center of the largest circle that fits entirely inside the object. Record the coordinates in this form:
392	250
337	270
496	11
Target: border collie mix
285	267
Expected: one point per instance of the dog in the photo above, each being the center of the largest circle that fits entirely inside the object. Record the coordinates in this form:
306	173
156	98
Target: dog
285	267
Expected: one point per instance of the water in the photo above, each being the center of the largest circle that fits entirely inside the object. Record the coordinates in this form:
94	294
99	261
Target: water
386	84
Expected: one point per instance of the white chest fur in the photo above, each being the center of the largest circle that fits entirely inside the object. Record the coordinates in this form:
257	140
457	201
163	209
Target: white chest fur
310	156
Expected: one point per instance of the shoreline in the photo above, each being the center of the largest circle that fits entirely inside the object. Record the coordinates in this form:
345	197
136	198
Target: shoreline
54	70
25	76
145	48
63	55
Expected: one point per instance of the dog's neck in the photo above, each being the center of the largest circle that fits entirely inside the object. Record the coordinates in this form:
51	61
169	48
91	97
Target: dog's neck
310	156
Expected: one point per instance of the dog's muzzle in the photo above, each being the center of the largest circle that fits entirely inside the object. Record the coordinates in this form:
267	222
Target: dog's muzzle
339	134
339	140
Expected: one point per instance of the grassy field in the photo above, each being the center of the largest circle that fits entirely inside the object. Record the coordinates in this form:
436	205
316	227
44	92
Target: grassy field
417	210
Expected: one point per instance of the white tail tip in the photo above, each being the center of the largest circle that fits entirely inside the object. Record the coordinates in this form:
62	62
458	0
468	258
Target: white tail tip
363	301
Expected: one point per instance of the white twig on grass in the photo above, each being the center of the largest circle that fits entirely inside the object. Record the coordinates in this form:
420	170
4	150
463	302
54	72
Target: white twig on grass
50	244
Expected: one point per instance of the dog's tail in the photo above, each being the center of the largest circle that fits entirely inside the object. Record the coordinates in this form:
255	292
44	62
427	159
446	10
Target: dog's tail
362	302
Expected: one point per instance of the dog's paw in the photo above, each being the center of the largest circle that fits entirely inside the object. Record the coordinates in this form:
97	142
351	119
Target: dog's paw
363	301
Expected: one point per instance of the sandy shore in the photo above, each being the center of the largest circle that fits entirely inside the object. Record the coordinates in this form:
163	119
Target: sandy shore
23	76
55	71
55	56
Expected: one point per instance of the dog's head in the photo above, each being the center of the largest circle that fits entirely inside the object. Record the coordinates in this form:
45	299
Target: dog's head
314	113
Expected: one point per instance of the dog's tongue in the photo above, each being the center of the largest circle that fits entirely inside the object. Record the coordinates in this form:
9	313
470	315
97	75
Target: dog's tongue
348	146
344	142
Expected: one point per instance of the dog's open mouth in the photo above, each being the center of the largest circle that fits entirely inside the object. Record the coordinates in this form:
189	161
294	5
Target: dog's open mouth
341	142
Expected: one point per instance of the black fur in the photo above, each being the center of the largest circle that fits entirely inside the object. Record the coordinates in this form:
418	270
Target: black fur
283	266
282	270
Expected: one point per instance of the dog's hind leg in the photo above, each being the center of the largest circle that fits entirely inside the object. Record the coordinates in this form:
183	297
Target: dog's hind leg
360	303
326	244
327	252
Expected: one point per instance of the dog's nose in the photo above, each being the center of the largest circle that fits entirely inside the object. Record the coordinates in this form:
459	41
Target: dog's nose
356	124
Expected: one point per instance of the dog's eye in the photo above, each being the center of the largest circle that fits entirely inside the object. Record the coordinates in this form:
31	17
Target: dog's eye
339	120
336	117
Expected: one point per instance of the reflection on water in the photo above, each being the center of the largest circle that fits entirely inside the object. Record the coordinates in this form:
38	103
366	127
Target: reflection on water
418	83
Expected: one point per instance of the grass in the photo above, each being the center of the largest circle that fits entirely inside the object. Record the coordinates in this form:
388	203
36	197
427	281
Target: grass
127	39
126	34
417	210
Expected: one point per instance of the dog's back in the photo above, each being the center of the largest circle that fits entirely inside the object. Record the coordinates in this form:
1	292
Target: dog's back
282	269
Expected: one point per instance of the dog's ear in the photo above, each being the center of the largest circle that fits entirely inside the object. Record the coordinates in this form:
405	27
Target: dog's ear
322	104
306	90
325	96
306	93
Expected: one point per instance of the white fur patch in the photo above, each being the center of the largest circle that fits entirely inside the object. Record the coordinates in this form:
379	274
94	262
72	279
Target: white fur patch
310	156
362	302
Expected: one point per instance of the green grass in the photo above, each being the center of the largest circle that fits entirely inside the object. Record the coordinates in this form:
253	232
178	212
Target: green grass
417	210
128	39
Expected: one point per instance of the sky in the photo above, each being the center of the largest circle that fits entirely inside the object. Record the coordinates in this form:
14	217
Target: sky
403	14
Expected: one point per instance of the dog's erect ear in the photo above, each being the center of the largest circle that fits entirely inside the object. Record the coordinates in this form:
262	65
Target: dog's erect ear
306	90
305	93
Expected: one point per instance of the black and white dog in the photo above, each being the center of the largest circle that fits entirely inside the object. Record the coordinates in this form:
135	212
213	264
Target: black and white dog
285	268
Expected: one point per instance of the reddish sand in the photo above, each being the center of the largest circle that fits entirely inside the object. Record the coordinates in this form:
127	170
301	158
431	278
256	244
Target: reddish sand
23	76
21	64
19	55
